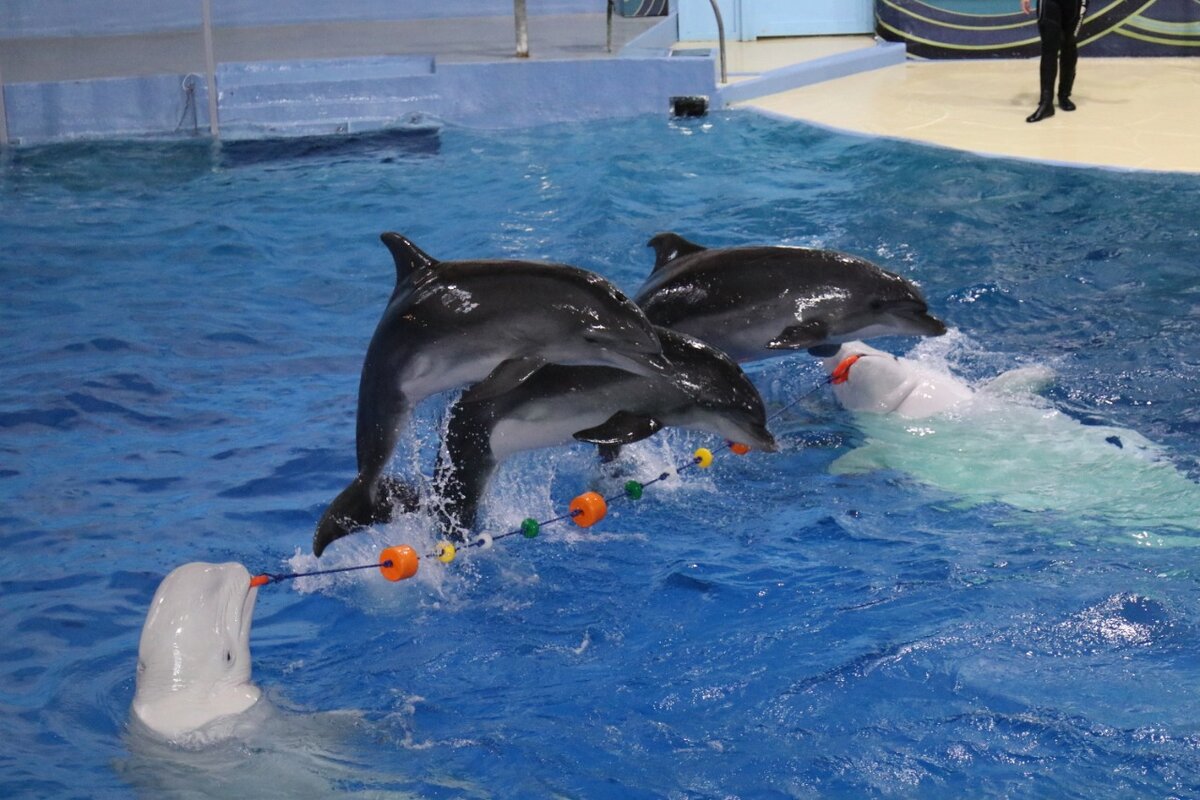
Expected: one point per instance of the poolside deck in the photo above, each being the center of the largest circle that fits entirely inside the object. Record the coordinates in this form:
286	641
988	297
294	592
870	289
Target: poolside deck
1133	113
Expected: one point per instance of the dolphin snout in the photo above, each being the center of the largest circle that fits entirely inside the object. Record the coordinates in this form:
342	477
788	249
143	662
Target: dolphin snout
749	431
916	317
933	325
761	439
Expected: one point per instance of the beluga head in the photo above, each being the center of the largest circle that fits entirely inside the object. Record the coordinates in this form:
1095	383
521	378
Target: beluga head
194	655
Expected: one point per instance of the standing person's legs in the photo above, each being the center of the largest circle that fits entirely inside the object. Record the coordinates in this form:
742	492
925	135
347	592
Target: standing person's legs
1070	55
1050	28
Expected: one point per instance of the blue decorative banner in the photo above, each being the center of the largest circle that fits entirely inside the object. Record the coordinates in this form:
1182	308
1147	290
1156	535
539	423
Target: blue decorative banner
642	8
998	28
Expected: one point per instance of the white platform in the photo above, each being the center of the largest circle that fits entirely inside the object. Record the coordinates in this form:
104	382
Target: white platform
1132	113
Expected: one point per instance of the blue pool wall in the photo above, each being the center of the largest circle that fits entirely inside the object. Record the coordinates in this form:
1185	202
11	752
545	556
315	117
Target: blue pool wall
339	95
488	95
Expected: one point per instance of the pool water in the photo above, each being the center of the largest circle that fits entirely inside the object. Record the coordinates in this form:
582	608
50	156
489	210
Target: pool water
183	328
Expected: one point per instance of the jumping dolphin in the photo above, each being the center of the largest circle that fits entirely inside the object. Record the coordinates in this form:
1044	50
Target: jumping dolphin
753	302
194	655
559	405
454	323
1001	441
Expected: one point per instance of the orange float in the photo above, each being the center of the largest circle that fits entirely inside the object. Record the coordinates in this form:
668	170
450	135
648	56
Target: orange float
399	562
588	508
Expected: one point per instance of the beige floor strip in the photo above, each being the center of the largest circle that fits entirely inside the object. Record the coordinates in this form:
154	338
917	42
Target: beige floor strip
1132	113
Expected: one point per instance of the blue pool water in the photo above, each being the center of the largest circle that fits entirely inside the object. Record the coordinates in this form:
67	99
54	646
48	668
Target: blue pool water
182	333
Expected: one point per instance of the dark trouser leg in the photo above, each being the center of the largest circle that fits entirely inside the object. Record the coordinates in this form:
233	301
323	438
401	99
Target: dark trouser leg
1050	26
1070	55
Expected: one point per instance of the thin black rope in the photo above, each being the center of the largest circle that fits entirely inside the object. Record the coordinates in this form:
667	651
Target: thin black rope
483	539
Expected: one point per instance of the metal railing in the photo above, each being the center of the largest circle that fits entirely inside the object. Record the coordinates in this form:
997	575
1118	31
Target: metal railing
720	38
720	34
210	67
3	116
521	16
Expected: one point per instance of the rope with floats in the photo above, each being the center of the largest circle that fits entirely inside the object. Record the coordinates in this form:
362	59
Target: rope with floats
400	562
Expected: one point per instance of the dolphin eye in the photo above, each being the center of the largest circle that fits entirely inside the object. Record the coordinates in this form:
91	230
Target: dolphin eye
229	655
876	304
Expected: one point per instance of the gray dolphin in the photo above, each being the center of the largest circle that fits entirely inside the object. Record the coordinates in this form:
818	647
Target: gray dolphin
559	405
454	323
753	302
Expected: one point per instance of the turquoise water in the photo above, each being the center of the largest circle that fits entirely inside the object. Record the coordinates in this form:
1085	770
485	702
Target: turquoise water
182	333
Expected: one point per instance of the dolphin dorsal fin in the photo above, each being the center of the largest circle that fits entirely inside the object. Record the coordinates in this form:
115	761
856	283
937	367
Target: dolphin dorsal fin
670	246
409	258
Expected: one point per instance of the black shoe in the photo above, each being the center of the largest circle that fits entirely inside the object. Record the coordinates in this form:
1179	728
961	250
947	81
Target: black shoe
1065	104
1044	109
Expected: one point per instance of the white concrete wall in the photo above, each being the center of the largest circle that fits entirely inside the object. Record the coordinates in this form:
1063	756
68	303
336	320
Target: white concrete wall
33	18
747	20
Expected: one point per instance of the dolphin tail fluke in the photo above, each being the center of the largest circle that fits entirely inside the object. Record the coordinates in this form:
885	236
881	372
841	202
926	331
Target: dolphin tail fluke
360	504
670	246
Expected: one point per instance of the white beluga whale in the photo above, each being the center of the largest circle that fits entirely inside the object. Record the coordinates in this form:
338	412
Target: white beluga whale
193	668
454	323
870	380
200	727
763	302
1002	442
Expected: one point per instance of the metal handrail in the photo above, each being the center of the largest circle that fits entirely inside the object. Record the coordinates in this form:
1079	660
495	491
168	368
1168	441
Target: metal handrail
720	38
210	66
521	16
3	116
608	24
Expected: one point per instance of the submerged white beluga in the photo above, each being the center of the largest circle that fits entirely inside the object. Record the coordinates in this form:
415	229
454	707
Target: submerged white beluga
1001	442
193	665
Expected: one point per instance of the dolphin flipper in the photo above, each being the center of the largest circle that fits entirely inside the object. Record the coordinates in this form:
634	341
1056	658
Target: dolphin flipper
623	427
504	378
798	337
